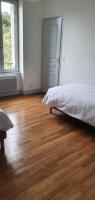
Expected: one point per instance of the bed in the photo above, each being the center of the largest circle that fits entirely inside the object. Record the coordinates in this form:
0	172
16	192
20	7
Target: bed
5	125
76	100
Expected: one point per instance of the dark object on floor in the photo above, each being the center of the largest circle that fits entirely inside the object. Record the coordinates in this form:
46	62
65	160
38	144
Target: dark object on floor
2	137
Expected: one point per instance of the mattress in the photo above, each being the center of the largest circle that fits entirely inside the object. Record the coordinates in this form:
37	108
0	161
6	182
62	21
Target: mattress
76	100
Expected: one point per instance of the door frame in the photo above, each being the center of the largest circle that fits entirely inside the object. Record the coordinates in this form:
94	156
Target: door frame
61	46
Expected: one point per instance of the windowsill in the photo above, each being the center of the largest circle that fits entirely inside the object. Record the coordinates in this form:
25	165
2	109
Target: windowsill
9	74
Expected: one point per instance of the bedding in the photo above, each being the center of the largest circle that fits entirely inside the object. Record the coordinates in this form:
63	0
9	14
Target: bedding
76	100
5	122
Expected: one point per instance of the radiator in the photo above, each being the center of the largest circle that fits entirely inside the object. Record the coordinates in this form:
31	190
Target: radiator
8	84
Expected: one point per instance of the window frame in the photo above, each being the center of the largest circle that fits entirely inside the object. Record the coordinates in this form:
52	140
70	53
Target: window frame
2	70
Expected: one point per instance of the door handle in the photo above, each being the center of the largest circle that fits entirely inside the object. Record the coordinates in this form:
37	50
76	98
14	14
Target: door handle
58	59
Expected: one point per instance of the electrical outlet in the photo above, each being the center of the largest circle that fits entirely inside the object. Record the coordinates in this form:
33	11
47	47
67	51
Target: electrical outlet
62	82
64	59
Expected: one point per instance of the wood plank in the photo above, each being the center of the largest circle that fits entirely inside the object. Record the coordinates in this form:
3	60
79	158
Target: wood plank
46	156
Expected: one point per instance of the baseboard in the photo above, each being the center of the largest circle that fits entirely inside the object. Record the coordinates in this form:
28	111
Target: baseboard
19	92
27	92
10	93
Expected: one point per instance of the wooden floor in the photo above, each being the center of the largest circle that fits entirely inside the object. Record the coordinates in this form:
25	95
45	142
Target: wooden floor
47	157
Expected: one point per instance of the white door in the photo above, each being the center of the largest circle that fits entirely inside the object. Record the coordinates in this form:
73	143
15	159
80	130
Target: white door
51	46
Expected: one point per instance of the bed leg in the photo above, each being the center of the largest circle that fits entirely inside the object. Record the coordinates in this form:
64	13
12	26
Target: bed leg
50	110
2	145
2	137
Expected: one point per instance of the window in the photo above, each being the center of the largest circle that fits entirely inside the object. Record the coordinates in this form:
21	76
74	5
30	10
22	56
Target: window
8	36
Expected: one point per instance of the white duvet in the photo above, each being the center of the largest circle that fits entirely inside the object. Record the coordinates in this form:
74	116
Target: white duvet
5	122
75	100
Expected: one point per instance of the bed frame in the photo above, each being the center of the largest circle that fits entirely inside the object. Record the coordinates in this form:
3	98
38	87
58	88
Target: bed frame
2	137
54	108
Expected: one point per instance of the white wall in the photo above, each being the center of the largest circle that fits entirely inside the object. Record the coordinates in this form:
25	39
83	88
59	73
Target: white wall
78	40
32	14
